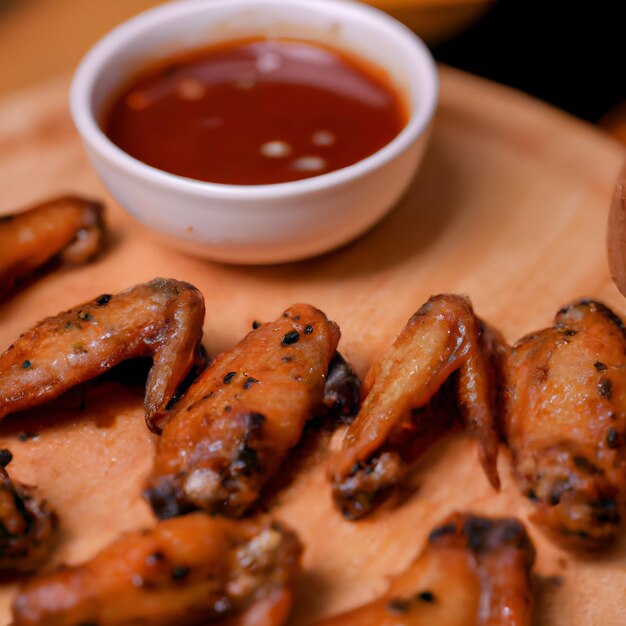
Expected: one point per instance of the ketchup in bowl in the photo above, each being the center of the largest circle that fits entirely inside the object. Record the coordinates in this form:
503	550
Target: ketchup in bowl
255	112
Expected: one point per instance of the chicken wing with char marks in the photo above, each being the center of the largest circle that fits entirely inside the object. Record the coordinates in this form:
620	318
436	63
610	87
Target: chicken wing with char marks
69	227
565	422
233	428
27	524
162	319
443	339
474	571
189	570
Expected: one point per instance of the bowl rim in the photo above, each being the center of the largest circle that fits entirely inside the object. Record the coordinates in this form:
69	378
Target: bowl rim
97	59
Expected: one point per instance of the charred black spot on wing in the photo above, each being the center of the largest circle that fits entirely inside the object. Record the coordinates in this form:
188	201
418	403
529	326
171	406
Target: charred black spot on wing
441	531
398	606
27	527
247	463
167	500
605	511
594	306
342	390
485	535
254	421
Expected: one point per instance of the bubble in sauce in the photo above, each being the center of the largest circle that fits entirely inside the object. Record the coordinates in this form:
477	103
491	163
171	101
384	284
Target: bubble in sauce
275	149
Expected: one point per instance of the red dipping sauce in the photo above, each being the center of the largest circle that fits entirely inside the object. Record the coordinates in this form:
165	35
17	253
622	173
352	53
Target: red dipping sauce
256	112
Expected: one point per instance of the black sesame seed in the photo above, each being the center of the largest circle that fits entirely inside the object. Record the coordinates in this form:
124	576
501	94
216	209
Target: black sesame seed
228	408
179	573
426	596
599	366
6	456
288	358
256	324
308	330
606	388
84	315
290	338
104	299
612	438
26	364
229	377
249	382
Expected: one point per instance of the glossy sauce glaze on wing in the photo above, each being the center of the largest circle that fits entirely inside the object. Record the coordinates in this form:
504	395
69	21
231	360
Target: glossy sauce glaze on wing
162	319
565	422
444	338
28	527
474	571
70	227
231	431
185	571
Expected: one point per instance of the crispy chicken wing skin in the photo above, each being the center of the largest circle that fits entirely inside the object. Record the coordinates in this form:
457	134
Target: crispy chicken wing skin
237	422
70	226
474	571
565	422
189	570
27	525
162	319
443	338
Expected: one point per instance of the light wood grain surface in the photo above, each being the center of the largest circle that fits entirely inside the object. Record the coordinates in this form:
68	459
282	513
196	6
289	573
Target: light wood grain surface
510	207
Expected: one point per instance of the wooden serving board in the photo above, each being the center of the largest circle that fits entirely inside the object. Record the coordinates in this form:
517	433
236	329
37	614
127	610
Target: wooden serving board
510	207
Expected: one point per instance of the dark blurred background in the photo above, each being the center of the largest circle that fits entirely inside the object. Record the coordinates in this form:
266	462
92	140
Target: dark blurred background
571	54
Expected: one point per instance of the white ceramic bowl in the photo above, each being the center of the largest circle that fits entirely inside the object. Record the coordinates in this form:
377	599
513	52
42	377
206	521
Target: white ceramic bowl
258	223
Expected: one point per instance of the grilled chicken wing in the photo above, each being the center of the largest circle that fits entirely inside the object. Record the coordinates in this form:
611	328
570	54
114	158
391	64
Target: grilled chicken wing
474	571
565	422
235	425
443	338
162	319
27	525
71	227
189	570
